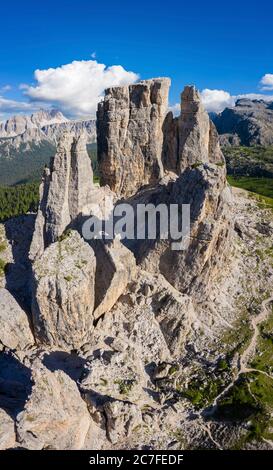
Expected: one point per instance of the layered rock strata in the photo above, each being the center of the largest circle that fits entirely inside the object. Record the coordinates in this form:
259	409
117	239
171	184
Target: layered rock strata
130	136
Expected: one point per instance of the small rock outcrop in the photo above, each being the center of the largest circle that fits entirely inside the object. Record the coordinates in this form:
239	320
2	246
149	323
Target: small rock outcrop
129	135
55	416
15	332
120	376
121	419
64	293
65	192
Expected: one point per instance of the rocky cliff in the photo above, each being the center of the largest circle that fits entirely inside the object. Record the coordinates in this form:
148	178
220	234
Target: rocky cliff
191	138
129	135
64	193
250	122
127	343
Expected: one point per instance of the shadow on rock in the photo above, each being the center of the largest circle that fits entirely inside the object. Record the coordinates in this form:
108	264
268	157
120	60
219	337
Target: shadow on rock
15	384
19	232
71	364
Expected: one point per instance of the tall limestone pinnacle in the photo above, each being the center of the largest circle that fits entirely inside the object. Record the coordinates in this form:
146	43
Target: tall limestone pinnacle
130	136
191	138
138	139
65	192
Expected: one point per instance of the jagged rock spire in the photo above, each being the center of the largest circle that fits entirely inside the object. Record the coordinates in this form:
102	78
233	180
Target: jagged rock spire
65	192
191	138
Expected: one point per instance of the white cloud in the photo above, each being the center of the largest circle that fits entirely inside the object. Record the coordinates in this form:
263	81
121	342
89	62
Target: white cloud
12	106
216	100
76	88
267	82
213	101
93	55
5	88
175	109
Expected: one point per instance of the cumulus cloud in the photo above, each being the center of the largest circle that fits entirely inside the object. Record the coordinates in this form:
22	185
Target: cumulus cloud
76	88
216	100
175	109
213	101
267	82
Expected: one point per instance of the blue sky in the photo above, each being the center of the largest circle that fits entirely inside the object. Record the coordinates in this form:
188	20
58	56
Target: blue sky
215	45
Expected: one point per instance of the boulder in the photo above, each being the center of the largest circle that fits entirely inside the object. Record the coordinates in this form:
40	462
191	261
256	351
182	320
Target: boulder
116	267
64	293
15	332
55	416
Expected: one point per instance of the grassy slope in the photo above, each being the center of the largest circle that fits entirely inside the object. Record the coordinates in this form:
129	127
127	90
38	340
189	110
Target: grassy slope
262	186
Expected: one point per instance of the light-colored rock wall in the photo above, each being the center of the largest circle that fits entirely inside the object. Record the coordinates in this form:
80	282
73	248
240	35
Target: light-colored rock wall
130	137
65	192
64	293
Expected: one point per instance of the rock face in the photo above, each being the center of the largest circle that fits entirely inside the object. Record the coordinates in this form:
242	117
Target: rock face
116	267
15	332
7	431
191	150
204	188
191	138
121	419
64	293
251	121
65	192
55	416
129	135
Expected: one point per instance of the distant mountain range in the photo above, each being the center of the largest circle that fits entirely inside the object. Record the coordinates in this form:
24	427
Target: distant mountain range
249	123
43	125
28	142
246	137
